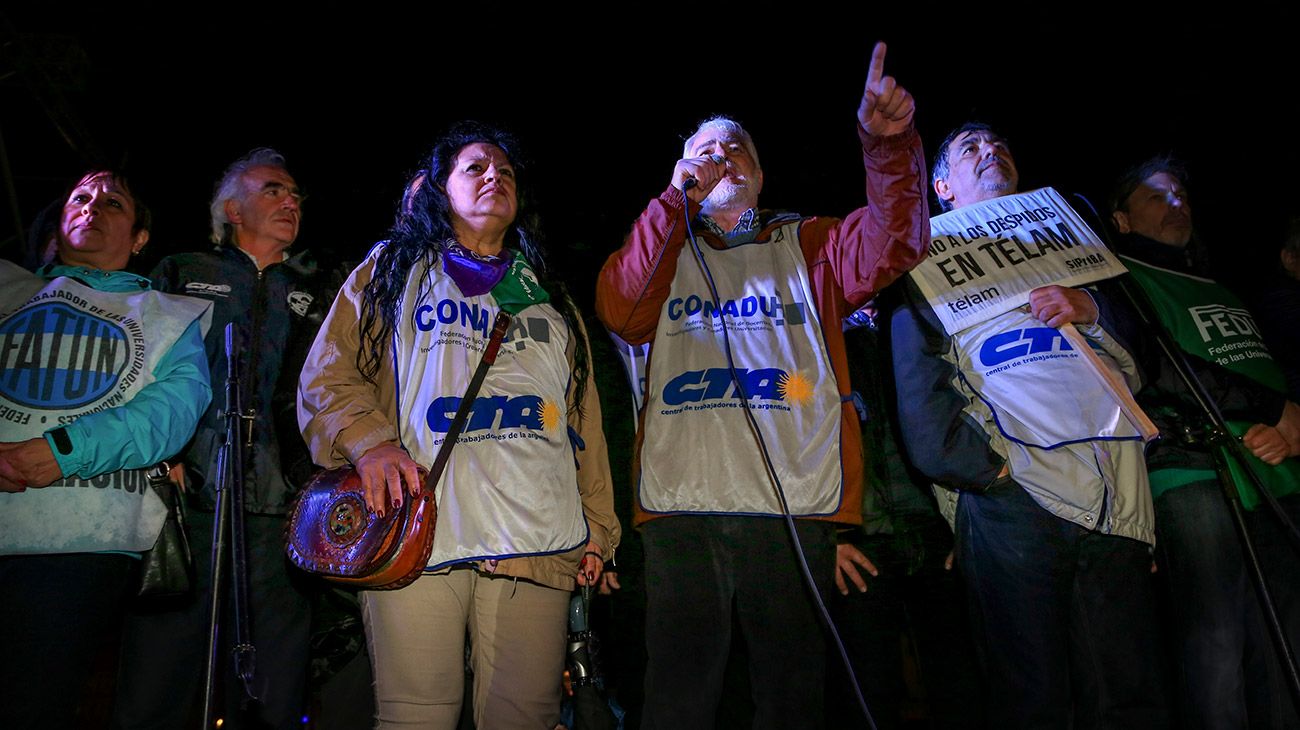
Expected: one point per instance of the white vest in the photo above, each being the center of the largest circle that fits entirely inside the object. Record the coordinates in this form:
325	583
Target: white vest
698	454
510	487
1066	440
67	350
1029	375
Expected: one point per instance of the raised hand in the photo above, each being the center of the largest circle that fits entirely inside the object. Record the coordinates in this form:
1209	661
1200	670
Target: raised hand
706	170
886	107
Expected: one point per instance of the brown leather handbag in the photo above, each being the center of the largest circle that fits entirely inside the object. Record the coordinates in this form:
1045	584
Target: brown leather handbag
333	534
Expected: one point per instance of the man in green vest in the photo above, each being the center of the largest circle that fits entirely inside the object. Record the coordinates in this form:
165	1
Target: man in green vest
1227	675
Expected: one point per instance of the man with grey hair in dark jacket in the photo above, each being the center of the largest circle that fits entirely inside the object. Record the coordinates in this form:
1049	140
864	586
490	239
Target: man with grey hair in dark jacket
276	302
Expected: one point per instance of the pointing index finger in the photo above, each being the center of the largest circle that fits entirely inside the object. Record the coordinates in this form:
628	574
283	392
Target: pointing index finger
877	69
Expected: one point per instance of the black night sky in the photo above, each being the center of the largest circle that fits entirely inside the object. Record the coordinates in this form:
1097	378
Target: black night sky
602	100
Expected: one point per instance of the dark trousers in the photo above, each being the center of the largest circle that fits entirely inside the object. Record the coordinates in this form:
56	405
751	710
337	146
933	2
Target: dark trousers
164	652
1279	557
56	613
1063	617
699	569
914	596
1227	674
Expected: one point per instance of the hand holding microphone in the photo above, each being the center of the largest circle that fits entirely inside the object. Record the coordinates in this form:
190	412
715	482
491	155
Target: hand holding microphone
716	158
697	176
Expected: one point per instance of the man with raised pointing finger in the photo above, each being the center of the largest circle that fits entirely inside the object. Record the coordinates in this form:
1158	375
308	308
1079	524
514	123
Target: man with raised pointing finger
769	347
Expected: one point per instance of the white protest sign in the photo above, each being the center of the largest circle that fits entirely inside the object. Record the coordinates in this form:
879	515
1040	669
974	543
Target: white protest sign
984	259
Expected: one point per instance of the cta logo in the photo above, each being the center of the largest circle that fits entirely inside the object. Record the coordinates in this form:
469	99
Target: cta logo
1019	343
57	357
769	307
771	384
497	412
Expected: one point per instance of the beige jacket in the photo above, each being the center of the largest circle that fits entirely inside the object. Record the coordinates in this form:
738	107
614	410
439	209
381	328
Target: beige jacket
342	416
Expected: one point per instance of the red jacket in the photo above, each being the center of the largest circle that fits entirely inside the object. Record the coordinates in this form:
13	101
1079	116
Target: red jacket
848	262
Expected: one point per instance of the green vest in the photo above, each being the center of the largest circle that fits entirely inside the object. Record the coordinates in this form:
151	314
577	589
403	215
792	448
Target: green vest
1211	323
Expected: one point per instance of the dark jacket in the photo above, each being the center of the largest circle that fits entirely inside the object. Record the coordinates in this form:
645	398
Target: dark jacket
276	312
895	496
1276	307
1164	396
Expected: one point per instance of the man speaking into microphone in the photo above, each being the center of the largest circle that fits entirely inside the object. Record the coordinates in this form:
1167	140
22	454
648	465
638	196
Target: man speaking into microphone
770	347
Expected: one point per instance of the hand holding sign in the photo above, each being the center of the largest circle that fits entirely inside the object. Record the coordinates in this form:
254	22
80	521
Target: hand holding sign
1058	305
886	107
1062	307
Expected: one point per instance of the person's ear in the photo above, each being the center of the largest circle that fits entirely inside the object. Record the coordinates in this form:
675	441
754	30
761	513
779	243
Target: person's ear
1120	218
943	190
1291	263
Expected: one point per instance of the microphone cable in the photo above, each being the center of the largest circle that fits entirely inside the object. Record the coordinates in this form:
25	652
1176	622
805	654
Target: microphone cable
767	462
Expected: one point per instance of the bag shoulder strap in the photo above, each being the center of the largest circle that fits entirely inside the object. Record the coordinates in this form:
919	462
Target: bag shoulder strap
499	327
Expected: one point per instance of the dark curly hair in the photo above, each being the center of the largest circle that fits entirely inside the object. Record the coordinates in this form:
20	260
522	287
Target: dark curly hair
422	226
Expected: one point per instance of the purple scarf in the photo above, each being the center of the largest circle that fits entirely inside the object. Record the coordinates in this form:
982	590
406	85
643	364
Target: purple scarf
473	274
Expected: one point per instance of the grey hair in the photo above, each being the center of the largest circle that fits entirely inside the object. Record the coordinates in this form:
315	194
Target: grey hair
730	125
230	187
940	170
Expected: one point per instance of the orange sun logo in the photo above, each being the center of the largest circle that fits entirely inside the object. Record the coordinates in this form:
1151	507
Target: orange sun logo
795	388
550	416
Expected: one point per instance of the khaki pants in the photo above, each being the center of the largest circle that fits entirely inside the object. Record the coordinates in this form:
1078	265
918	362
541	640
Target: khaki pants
417	635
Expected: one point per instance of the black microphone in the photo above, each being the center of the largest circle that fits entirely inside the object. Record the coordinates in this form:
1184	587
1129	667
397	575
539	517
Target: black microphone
691	182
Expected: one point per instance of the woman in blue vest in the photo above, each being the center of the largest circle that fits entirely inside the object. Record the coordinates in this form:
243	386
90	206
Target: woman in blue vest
100	379
525	509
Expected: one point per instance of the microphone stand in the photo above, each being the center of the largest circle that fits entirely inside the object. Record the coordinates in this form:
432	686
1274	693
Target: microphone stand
1224	447
228	535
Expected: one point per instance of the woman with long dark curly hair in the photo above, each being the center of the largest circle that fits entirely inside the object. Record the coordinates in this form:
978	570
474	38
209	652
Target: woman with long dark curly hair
525	509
